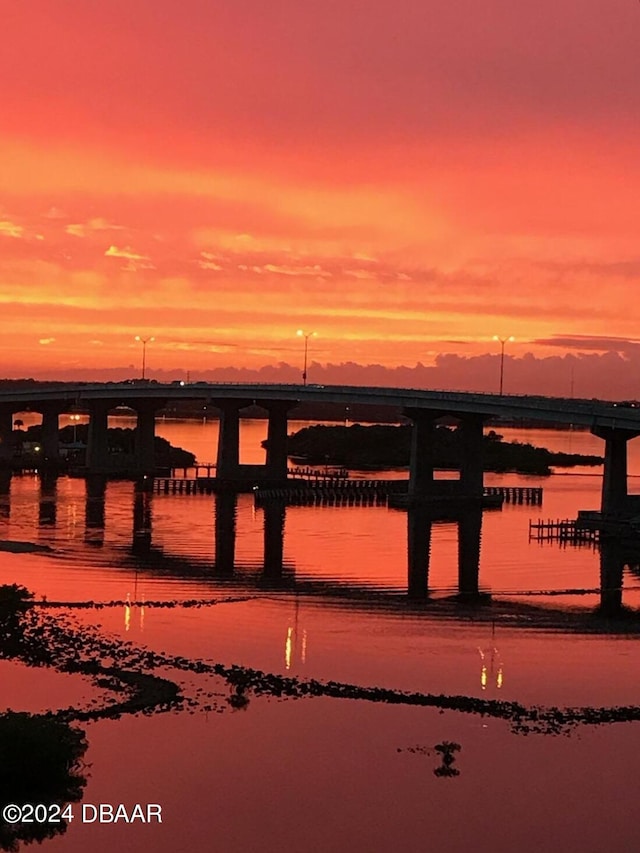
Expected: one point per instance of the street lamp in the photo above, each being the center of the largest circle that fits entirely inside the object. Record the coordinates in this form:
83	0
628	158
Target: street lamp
75	419
503	341
144	342
306	335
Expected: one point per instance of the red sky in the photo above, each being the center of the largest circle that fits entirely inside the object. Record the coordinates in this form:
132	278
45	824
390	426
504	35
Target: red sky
406	178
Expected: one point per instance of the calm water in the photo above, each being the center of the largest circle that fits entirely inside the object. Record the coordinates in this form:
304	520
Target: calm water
338	774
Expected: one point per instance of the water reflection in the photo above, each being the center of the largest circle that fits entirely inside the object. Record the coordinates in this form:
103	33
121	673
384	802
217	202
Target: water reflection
295	645
274	519
469	535
94	510
491	668
130	608
420	521
142	523
189	541
447	751
225	532
5	494
238	698
47	509
612	562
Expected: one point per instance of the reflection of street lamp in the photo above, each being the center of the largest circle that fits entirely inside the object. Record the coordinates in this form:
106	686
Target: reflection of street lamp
144	342
306	335
503	341
291	642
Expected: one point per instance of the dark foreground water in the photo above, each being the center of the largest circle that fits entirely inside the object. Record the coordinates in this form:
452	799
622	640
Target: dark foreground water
523	684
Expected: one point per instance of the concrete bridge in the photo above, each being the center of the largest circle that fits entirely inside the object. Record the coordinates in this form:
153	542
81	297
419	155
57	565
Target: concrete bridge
615	424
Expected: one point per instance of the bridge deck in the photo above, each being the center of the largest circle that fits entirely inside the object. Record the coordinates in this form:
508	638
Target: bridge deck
588	413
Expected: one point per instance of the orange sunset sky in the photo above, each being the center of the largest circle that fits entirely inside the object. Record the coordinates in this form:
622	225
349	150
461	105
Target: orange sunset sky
408	178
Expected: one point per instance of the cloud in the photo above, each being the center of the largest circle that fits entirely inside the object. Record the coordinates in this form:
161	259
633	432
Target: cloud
10	229
136	266
54	213
93	225
134	261
279	269
46	341
596	343
126	252
363	275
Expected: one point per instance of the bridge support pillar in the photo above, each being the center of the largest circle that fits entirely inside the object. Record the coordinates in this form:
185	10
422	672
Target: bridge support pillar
228	459
471	467
422	462
276	463
614	479
6	435
97	443
145	435
50	433
469	537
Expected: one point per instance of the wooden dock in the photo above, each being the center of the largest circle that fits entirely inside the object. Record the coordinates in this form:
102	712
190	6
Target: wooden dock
563	530
517	494
333	492
183	486
333	489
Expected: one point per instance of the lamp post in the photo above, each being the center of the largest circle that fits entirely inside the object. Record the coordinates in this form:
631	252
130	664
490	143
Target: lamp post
502	341
306	335
75	419
144	342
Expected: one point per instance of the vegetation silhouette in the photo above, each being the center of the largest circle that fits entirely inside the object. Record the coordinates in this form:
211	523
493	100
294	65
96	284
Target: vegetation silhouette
447	750
121	441
31	635
41	763
383	446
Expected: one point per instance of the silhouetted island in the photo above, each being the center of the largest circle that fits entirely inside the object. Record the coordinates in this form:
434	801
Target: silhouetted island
121	442
383	446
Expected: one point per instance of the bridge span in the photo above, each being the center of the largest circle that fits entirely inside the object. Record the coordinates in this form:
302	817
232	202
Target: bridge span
615	424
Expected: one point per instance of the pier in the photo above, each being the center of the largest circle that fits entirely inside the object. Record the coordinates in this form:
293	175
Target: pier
331	490
517	494
564	530
334	489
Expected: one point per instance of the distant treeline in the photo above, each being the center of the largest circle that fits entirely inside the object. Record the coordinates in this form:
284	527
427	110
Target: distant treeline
119	440
385	446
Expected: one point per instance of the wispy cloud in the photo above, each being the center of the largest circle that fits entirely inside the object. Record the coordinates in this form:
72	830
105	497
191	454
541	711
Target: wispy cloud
95	225
126	252
10	229
314	270
594	343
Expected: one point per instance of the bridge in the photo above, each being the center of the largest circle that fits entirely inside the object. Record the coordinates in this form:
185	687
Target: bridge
615	424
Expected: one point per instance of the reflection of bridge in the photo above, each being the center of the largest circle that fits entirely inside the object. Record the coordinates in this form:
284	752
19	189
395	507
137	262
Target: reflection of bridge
615	424
276	573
